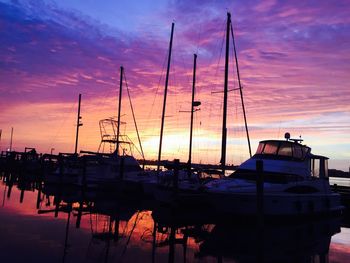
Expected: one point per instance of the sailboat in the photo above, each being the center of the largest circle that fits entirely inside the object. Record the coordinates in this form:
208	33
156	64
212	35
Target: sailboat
119	168
283	177
99	169
178	185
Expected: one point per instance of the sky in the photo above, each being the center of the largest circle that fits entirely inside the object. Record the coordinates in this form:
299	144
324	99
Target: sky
293	56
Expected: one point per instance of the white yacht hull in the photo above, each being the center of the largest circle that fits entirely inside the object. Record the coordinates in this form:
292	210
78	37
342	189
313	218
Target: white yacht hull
274	204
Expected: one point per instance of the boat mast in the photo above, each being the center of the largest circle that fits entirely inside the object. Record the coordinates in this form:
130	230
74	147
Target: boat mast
78	125
11	139
192	110
224	128
119	106
165	96
240	91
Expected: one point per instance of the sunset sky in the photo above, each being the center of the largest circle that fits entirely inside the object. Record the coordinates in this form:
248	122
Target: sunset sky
294	59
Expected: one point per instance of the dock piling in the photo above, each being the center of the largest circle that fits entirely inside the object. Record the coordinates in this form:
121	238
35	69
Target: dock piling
176	174
260	187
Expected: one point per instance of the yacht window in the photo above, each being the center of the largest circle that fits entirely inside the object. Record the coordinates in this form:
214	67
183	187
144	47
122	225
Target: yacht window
326	168
285	149
260	148
315	169
305	150
271	148
297	151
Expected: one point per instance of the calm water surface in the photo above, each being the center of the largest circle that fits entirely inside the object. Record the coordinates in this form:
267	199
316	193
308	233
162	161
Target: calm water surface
66	225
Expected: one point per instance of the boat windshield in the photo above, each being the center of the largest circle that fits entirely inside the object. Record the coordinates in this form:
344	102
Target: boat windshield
283	149
270	177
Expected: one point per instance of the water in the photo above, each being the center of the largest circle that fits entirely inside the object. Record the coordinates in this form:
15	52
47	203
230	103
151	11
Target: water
339	181
41	226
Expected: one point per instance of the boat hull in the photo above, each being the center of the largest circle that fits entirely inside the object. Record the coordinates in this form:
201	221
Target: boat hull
275	204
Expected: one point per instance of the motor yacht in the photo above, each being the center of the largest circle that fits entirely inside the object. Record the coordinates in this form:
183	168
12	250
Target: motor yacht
293	182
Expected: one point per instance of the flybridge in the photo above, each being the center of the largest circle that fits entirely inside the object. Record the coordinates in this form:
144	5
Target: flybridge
283	149
287	137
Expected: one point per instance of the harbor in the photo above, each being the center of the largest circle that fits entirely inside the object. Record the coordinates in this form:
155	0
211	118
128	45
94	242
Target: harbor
174	132
58	223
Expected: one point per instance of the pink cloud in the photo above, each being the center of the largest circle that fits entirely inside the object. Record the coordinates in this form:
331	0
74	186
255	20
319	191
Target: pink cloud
293	60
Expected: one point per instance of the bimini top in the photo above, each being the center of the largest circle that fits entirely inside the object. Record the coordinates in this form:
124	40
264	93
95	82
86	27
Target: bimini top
280	149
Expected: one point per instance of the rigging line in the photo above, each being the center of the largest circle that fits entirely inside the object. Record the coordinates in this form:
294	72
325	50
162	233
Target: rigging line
103	101
131	232
154	98
181	55
217	69
155	95
175	94
233	98
199	38
220	53
53	138
222	47
133	116
240	90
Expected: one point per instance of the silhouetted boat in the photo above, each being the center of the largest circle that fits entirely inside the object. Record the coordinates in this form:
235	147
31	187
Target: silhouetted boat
277	242
294	183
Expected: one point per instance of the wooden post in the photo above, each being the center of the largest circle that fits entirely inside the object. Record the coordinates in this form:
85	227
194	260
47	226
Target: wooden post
61	167
84	181
9	191
57	205
260	187
116	228
80	213
260	210
38	200
67	234
176	174
11	139
21	196
121	171
172	245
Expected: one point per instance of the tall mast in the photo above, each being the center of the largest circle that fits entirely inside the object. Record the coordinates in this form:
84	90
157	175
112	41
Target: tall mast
78	125
165	95
224	128
119	106
240	91
192	109
11	139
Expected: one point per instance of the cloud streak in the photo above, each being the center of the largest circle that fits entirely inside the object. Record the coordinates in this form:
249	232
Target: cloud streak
294	63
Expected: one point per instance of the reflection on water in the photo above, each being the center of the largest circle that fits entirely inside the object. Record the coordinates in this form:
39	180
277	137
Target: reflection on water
46	223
